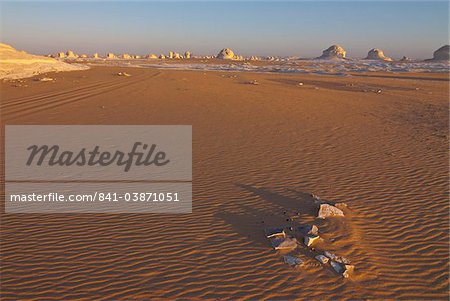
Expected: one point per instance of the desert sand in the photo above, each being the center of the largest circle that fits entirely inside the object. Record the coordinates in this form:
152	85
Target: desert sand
376	141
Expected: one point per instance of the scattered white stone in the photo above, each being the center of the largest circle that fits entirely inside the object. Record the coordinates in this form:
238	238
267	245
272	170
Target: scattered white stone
309	240
348	270
344	269
254	82
292	261
308	230
337	267
327	210
322	259
45	79
123	74
287	243
274	232
336	258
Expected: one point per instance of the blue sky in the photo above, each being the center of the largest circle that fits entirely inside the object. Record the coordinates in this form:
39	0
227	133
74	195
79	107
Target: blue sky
297	28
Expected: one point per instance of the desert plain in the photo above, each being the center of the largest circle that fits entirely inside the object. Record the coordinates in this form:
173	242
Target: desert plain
263	142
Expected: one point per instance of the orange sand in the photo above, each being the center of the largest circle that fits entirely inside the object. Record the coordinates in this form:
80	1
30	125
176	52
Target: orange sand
258	150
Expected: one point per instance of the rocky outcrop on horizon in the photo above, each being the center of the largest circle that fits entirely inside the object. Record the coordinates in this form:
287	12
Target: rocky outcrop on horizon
377	54
226	54
71	55
405	59
442	54
17	64
333	52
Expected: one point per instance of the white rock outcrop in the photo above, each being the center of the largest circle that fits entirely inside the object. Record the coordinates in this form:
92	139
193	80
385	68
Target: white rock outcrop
126	56
377	54
71	55
187	55
405	59
96	56
442	54
226	54
327	210
110	56
17	64
333	52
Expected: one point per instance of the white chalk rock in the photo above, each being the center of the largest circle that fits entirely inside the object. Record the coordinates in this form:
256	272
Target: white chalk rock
287	243
187	55
84	56
336	258
162	56
322	259
96	56
226	54
110	56
346	270
292	261
377	54
70	54
333	52
327	210
442	54
405	59
126	56
309	240
274	232
308	230
61	55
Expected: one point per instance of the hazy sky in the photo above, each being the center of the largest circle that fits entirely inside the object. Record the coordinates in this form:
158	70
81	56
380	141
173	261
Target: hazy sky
297	28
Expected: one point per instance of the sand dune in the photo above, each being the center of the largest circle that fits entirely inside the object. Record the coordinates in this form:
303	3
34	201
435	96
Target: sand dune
259	151
19	64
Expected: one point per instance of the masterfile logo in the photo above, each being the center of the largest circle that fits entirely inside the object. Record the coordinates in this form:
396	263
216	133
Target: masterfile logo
98	169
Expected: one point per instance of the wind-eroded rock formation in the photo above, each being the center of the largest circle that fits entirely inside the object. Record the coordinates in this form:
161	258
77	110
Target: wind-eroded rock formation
333	52
377	54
